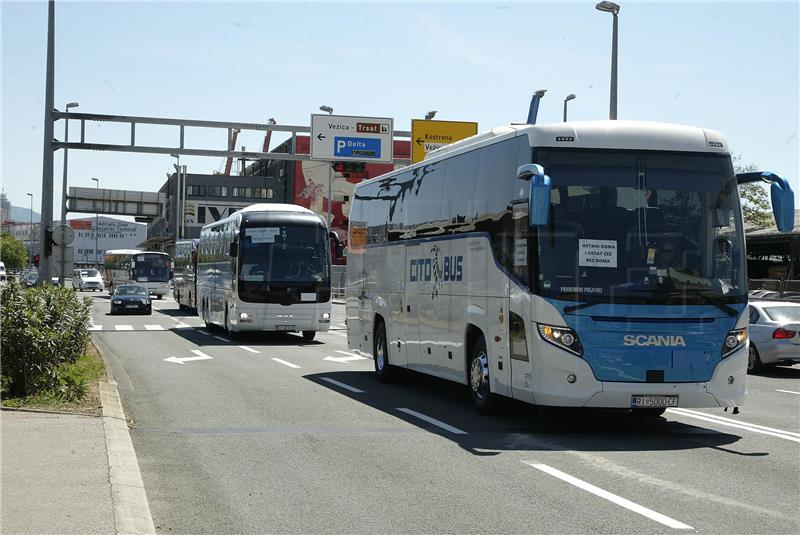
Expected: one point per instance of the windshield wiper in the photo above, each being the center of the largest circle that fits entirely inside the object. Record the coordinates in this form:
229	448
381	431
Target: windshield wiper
716	301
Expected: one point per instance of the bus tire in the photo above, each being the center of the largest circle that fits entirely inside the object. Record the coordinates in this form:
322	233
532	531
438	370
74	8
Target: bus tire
479	386
308	336
754	364
383	369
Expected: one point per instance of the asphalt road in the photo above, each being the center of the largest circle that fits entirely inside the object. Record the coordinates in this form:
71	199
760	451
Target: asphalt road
271	434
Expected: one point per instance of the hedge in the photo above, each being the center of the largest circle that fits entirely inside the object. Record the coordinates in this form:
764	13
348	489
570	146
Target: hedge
43	328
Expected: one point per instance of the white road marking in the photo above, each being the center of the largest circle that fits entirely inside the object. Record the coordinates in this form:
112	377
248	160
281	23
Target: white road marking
202	331
95	327
341	385
220	338
341	326
123	327
154	328
200	356
348	353
434	421
251	350
281	361
788	392
613	498
345	360
182	326
337	333
779	433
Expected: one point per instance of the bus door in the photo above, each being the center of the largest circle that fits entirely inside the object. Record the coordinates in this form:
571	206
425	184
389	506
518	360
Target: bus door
519	379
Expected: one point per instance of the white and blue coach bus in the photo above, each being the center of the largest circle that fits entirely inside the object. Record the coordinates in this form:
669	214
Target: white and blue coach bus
586	264
265	268
151	269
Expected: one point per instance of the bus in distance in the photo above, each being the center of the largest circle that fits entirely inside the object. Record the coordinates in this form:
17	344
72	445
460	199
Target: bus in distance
584	264
184	278
151	269
266	268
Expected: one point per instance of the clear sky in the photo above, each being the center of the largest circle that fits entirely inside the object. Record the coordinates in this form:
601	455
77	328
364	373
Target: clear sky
723	65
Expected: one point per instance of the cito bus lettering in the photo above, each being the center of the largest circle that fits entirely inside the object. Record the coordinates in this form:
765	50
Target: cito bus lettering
428	269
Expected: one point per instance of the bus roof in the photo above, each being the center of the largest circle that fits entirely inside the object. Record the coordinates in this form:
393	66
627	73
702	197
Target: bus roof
634	135
273	207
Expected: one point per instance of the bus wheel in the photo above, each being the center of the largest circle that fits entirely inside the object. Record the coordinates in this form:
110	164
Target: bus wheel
383	370
309	335
482	396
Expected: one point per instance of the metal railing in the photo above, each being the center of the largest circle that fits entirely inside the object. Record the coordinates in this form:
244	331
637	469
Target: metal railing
338	280
775	288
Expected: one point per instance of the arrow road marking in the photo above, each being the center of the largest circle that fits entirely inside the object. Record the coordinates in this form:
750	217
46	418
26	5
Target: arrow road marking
349	358
200	356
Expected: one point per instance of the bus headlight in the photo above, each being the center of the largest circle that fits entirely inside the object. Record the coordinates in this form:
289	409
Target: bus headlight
562	337
735	339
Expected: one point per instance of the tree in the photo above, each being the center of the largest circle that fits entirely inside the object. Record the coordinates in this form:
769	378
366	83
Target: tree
755	201
12	252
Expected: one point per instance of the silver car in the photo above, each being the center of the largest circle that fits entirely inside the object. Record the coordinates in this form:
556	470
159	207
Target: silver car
774	334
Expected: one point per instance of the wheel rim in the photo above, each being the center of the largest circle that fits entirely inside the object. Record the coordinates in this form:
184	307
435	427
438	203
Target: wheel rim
380	353
479	375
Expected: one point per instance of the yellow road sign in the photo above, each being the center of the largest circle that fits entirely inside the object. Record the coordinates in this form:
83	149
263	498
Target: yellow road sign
429	135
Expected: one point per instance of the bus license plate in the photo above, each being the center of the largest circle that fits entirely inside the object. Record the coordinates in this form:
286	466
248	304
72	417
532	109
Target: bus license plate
285	328
653	401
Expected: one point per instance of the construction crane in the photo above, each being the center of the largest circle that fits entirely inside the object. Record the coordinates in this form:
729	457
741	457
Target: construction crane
232	146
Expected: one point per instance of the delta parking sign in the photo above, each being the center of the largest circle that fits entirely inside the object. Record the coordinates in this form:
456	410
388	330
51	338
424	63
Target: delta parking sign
355	139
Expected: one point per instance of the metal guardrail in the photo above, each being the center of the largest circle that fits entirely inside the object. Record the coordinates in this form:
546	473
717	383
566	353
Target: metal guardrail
338	280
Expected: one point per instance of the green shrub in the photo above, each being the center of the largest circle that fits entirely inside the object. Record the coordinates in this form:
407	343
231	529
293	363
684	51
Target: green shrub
43	328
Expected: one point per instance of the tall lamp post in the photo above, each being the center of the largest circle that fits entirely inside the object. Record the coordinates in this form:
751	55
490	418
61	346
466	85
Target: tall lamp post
611	7
31	236
567	99
64	192
96	226
178	195
329	111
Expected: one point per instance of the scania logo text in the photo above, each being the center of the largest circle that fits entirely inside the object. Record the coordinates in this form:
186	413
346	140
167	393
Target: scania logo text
653	340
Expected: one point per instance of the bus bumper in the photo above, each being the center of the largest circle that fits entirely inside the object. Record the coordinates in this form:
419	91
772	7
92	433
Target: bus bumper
308	317
725	389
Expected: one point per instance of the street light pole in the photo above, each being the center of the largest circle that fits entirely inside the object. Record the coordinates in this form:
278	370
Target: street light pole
64	192
611	7
567	99
96	226
178	195
31	235
329	111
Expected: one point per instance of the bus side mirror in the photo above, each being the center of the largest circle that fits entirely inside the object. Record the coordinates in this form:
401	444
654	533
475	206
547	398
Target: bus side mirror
234	250
539	198
781	194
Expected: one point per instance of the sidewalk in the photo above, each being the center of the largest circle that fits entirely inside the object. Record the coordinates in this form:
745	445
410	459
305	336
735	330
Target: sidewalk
54	474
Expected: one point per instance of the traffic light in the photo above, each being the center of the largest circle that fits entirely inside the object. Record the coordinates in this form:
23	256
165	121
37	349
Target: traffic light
36	260
349	167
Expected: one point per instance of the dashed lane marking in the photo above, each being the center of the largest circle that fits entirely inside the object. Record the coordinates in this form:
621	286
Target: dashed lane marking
251	350
434	421
753	428
123	327
337	333
154	328
95	327
281	361
342	385
788	392
613	498
220	338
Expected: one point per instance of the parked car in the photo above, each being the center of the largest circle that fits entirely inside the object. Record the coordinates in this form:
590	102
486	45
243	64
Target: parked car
774	334
2	271
87	279
131	298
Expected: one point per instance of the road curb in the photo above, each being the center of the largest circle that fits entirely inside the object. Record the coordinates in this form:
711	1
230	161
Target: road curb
131	508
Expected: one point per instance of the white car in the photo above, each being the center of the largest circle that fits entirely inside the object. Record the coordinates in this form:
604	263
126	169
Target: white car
774	334
87	279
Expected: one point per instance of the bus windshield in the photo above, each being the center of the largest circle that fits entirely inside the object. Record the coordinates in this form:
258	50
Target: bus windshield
641	227
151	268
282	255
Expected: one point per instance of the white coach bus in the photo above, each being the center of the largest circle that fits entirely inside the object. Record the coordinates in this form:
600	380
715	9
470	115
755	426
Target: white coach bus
586	264
151	269
265	268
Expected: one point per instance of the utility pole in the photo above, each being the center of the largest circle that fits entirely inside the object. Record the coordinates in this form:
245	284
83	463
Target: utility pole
45	257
